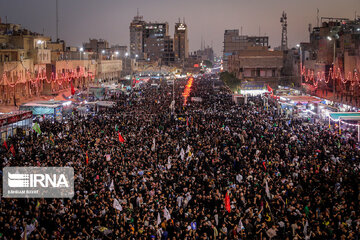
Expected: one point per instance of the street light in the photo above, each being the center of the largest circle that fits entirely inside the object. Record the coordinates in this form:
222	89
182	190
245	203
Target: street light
334	58
81	50
126	54
301	63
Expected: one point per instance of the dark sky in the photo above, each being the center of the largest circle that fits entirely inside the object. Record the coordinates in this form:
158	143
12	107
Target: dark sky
80	20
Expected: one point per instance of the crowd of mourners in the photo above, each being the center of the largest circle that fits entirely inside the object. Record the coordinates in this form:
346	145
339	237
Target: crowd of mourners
207	170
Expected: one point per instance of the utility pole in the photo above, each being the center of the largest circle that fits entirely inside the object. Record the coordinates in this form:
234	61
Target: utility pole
334	58
57	21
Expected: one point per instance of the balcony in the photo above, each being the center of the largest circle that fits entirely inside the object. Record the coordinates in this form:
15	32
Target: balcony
41	56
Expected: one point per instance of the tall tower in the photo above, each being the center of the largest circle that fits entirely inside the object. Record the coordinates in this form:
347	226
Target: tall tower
136	36
283	20
181	41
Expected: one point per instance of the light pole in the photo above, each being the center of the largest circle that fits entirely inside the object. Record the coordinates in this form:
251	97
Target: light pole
101	58
81	51
126	59
334	58
301	63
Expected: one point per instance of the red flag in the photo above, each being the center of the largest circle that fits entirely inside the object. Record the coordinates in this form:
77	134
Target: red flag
72	89
227	202
87	159
5	145
269	88
264	164
12	150
121	139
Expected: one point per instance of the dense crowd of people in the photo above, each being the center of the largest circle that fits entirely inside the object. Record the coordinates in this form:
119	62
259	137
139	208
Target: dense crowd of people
208	170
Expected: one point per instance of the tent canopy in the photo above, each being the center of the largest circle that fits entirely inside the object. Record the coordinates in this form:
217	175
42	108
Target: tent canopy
345	115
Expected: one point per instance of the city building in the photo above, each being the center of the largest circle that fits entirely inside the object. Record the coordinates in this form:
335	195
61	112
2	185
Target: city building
233	42
331	60
181	41
23	57
120	51
150	42
96	45
168	57
136	37
206	54
154	40
32	65
257	64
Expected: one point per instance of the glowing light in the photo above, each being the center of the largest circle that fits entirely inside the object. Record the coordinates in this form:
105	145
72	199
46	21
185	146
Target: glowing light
34	78
333	74
187	90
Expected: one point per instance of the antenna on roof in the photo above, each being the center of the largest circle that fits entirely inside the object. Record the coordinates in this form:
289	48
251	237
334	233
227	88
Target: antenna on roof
137	12
57	21
317	17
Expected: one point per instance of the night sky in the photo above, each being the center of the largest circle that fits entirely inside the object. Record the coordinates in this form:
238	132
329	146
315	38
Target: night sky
80	20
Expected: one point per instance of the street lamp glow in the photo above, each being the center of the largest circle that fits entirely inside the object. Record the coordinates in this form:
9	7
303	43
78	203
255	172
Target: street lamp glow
136	56
103	51
126	54
81	49
329	38
116	53
297	45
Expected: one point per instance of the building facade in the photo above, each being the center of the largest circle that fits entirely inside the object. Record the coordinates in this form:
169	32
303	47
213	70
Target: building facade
233	43
331	60
96	45
181	41
257	64
154	40
23	57
136	37
31	65
168	55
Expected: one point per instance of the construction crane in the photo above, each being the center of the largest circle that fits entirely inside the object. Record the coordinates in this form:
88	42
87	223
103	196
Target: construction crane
283	20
